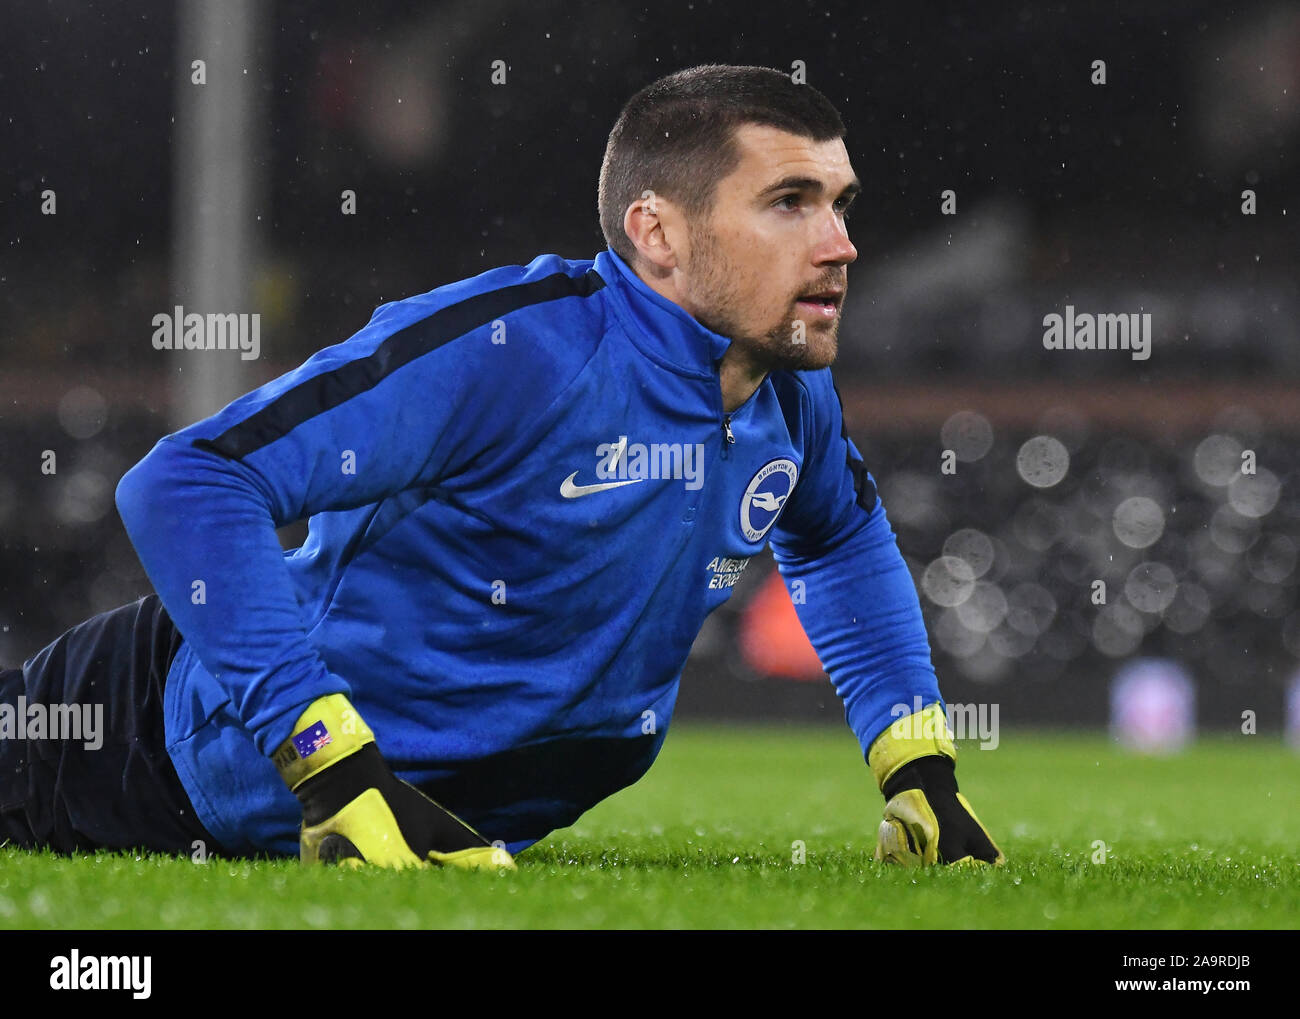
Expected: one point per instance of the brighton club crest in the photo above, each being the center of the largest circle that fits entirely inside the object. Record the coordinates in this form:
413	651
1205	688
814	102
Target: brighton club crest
765	498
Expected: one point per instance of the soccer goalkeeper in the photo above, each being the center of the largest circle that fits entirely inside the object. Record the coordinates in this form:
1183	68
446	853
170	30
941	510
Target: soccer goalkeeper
526	492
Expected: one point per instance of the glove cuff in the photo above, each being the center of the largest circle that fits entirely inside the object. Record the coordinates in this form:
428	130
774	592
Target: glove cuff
920	734
329	730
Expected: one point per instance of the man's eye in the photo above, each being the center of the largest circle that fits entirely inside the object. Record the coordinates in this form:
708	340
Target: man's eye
842	205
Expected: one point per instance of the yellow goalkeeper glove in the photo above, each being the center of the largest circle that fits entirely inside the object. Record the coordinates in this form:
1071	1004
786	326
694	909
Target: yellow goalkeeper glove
356	811
926	820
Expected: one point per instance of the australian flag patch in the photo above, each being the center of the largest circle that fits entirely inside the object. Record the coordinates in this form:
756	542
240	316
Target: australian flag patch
312	739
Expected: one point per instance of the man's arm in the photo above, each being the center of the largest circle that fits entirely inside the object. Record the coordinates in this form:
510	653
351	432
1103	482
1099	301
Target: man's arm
861	613
420	394
360	420
414	397
859	606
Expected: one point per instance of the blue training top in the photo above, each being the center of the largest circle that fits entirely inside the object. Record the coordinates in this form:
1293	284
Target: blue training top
524	499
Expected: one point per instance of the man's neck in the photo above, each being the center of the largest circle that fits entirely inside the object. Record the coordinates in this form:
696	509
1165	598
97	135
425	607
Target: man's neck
739	376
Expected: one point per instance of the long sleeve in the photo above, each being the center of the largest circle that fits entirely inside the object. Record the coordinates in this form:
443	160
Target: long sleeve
412	398
852	590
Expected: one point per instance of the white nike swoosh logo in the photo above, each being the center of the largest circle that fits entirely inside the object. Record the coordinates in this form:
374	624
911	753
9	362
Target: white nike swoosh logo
571	491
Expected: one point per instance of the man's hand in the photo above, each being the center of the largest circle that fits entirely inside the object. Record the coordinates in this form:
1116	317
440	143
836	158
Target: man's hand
926	820
355	810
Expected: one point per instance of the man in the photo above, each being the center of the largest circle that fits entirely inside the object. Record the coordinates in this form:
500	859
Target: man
526	491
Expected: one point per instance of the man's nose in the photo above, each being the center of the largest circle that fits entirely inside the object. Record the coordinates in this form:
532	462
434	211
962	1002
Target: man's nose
835	246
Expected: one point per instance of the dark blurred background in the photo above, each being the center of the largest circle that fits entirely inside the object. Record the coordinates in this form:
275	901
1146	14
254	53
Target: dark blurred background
1070	466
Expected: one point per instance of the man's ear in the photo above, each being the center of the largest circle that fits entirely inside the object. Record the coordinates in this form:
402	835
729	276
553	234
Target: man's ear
652	223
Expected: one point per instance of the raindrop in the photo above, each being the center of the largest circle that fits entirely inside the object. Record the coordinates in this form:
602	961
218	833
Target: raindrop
1043	461
1030	609
1218	460
1117	631
1063	643
968	434
1138	522
972	546
1151	587
948	581
1254	495
1189	609
1010	642
1232	532
1215	566
1037	525
985	609
83	498
951	634
1273	559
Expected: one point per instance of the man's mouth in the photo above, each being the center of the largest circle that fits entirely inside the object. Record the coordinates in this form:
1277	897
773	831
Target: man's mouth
824	303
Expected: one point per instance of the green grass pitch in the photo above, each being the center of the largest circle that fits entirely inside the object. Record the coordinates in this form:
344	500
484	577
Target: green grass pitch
1204	839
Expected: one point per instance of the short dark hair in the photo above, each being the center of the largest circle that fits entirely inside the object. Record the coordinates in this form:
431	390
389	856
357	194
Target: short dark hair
676	137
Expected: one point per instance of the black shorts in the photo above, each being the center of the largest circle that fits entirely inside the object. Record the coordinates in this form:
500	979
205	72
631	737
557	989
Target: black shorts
86	766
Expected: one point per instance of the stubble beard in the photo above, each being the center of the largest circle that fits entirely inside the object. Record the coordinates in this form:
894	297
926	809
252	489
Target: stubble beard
716	294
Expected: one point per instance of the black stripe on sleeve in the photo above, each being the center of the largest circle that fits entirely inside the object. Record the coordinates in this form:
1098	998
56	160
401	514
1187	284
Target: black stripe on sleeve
863	486
330	389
